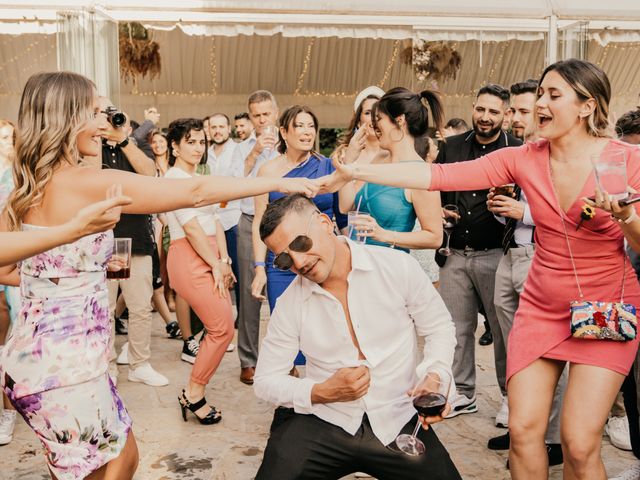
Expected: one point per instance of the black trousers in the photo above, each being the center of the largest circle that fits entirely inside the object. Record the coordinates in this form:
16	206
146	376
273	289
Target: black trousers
630	396
304	447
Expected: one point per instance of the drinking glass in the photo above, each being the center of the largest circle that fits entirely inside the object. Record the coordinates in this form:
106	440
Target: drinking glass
429	398
273	131
506	190
119	265
449	225
611	173
355	234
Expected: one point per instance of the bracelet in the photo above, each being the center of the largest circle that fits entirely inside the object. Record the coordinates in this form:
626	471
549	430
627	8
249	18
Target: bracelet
632	216
393	243
226	260
259	264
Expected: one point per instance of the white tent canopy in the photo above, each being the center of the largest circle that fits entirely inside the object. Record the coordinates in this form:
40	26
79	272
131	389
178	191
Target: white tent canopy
321	52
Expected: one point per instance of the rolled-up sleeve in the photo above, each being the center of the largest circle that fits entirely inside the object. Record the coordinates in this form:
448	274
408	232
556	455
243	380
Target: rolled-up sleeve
279	348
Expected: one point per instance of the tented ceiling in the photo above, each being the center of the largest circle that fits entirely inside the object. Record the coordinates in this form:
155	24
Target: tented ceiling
201	74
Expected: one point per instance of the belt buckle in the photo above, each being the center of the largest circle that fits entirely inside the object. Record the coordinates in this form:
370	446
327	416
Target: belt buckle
468	249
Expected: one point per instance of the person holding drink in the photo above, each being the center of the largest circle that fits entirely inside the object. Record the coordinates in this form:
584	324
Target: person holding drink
385	215
355	312
579	263
55	371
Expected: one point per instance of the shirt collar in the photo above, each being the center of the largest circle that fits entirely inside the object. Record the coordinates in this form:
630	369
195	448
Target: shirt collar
360	261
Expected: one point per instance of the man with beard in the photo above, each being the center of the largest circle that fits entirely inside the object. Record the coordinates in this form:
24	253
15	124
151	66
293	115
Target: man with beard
467	276
356	312
518	249
243	126
220	158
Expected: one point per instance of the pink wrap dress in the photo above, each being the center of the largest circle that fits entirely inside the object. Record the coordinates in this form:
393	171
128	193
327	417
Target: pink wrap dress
541	326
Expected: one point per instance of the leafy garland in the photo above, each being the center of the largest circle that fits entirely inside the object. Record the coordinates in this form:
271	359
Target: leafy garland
433	60
139	54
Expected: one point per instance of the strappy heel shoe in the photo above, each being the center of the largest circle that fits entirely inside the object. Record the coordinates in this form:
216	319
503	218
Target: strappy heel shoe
214	416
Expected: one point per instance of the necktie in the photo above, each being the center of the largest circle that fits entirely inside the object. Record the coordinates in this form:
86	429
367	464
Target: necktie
508	240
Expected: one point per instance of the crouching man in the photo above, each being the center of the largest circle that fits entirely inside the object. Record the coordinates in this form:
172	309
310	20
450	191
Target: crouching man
355	312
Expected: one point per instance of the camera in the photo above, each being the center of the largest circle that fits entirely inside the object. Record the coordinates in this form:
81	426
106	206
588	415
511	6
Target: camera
115	117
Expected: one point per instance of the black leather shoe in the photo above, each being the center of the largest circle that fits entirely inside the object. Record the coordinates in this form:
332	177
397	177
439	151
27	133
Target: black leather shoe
486	338
554	454
501	442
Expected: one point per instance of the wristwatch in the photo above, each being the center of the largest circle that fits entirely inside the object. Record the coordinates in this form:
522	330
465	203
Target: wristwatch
123	143
226	260
259	264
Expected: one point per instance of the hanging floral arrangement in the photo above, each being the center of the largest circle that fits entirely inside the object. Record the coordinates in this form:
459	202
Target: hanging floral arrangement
432	60
139	54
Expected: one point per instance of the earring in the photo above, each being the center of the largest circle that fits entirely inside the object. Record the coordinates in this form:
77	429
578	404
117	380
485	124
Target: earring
400	139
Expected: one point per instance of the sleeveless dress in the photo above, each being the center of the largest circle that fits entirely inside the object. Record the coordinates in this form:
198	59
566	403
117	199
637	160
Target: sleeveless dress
541	325
53	368
389	206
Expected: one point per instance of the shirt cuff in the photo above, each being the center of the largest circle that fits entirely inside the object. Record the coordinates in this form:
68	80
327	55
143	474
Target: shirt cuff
302	396
527	219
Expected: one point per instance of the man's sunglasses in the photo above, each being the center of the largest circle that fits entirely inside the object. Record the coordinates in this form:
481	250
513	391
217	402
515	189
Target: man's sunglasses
300	244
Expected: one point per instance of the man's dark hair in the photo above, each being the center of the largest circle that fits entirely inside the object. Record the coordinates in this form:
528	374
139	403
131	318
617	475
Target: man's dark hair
134	125
276	211
495	90
629	123
457	124
528	86
241	115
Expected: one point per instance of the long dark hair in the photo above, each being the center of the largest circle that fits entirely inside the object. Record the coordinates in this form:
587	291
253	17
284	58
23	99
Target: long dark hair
179	129
288	117
401	101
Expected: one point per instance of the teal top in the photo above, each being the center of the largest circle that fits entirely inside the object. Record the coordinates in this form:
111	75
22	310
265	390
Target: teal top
390	208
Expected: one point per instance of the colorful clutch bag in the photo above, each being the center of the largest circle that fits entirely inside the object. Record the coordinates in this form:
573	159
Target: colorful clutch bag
603	320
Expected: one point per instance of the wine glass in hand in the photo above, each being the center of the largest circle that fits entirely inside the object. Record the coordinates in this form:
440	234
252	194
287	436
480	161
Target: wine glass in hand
429	397
451	216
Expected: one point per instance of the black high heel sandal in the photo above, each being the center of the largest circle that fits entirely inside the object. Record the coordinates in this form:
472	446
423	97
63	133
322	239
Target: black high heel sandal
214	416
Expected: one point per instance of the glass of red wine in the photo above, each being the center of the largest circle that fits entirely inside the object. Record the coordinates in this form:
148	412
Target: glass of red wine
429	397
450	220
119	265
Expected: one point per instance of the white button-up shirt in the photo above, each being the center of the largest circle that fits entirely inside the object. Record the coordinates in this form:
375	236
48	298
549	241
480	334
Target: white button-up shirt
239	156
222	165
390	300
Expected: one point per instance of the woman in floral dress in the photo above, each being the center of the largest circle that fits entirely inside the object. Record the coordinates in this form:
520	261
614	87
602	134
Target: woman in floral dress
54	368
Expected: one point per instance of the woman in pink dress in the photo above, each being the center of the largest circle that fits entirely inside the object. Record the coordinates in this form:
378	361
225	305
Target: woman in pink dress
556	174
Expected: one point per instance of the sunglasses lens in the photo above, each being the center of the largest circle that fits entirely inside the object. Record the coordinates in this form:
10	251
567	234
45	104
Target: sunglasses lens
283	261
301	244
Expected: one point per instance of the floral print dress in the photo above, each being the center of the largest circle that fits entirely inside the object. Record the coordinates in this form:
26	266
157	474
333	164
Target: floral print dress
54	366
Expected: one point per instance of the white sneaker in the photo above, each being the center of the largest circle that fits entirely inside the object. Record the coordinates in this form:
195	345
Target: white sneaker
631	473
7	424
462	404
618	430
502	418
147	375
123	358
113	373
231	347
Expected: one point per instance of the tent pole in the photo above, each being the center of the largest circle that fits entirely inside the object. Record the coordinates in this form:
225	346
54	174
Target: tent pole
552	40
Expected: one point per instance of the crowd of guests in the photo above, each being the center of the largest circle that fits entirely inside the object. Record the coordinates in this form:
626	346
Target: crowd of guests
350	253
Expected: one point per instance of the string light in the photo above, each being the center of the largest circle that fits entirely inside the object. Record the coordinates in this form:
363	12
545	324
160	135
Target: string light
305	67
17	57
213	69
390	63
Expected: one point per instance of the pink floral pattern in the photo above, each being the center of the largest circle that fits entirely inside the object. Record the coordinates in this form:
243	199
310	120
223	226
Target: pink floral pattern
54	366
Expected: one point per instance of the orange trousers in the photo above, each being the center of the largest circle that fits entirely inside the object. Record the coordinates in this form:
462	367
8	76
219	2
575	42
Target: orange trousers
192	279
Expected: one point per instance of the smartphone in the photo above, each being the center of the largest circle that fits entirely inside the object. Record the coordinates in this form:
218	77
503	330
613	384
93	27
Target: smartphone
623	202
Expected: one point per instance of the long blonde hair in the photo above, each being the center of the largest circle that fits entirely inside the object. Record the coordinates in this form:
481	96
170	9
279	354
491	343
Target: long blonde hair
54	108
